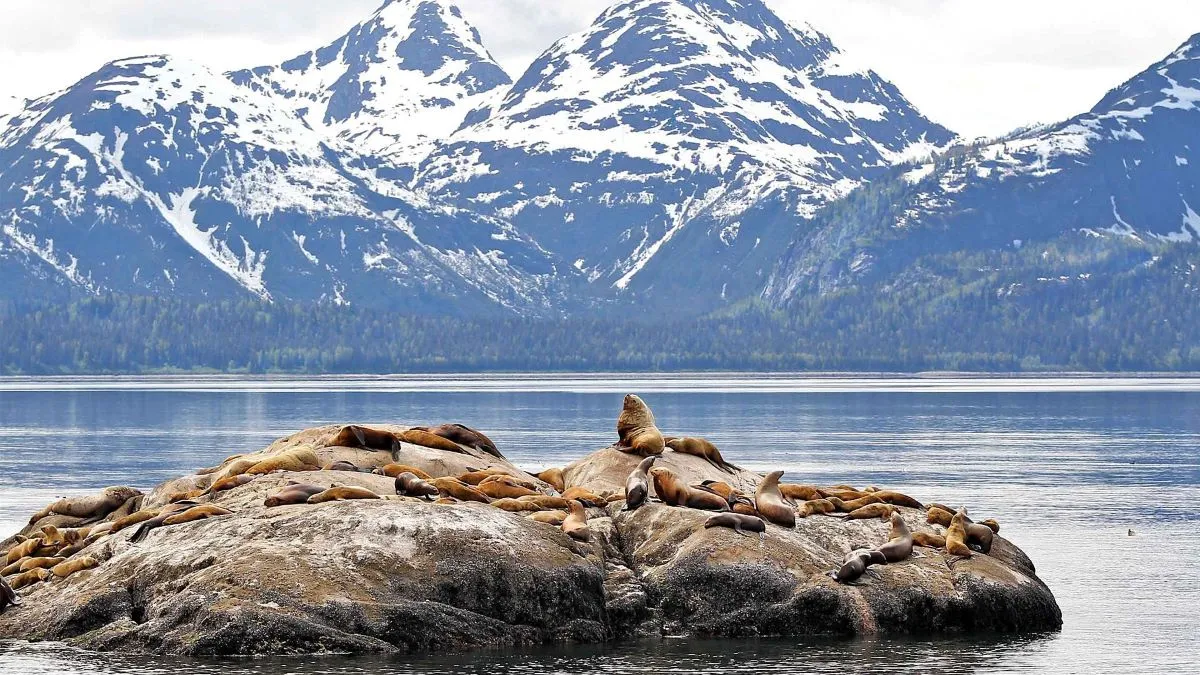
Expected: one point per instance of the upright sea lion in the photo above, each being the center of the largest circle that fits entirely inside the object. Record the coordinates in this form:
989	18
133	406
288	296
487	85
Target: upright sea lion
429	440
637	485
856	564
555	518
813	507
900	541
8	596
504	487
454	487
66	569
93	506
771	504
464	435
800	493
23	550
394	471
342	465
296	459
929	540
674	492
743	525
701	447
364	438
408	484
553	478
29	578
854	504
897	498
575	524
980	536
956	536
871	511
196	513
636	432
340	493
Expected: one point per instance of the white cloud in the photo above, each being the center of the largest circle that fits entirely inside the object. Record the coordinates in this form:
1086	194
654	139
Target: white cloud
978	66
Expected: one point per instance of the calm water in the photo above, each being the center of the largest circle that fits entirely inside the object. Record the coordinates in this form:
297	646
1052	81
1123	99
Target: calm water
1068	466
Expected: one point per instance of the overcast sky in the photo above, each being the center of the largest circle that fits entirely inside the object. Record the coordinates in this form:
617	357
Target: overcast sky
981	67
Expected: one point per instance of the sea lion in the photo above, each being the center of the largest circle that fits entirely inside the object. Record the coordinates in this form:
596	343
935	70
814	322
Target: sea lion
744	509
929	540
364	438
454	487
464	435
69	551
555	518
547	501
741	524
856	564
8	596
29	578
935	505
814	507
214	469
296	459
237	467
871	511
429	440
636	432
584	495
800	493
991	524
771	504
477	476
939	516
52	536
394	471
674	492
410	485
230	483
575	524
504	487
853	504
956	535
157	521
93	506
700	447
342	465
514	480
515	505
553	478
66	569
23	550
34	563
101	529
896	498
196	513
13	568
900	541
133	519
979	536
340	493
637	485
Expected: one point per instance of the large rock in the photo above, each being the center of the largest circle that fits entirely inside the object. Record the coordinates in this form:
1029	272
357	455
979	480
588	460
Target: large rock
404	576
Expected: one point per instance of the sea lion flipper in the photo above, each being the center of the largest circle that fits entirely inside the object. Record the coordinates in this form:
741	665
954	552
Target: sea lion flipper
359	435
739	530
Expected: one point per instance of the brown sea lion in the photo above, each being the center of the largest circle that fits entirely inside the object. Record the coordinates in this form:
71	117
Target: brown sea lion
93	506
237	467
956	535
343	465
66	569
935	505
512	480
869	511
157	521
846	495
34	563
364	438
584	495
929	540
548	502
13	568
771	504
23	550
29	578
515	505
214	469
8	596
900	541
296	459
637	485
991	524
979	537
700	447
454	487
504	487
196	513
477	476
394	471
464	435
674	492
896	498
939	516
69	551
230	483
636	432
340	493
553	478
575	524
814	507
555	518
856	564
800	493
741	524
745	509
428	440
133	519
853	504
410	485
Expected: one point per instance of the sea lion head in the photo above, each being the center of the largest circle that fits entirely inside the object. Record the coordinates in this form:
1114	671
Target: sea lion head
645	464
773	478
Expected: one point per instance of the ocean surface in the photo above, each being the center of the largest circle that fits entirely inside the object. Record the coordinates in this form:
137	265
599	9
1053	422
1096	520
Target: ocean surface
1097	479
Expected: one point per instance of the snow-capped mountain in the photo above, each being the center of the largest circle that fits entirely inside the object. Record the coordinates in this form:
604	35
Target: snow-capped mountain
677	130
393	84
1099	193
155	175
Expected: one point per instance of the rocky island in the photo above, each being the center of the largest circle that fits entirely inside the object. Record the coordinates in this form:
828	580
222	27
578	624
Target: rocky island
365	569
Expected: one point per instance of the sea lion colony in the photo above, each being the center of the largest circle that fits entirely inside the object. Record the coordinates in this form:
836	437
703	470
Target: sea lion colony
52	547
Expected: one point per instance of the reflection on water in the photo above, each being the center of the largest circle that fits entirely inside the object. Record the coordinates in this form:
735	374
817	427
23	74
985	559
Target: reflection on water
1067	473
